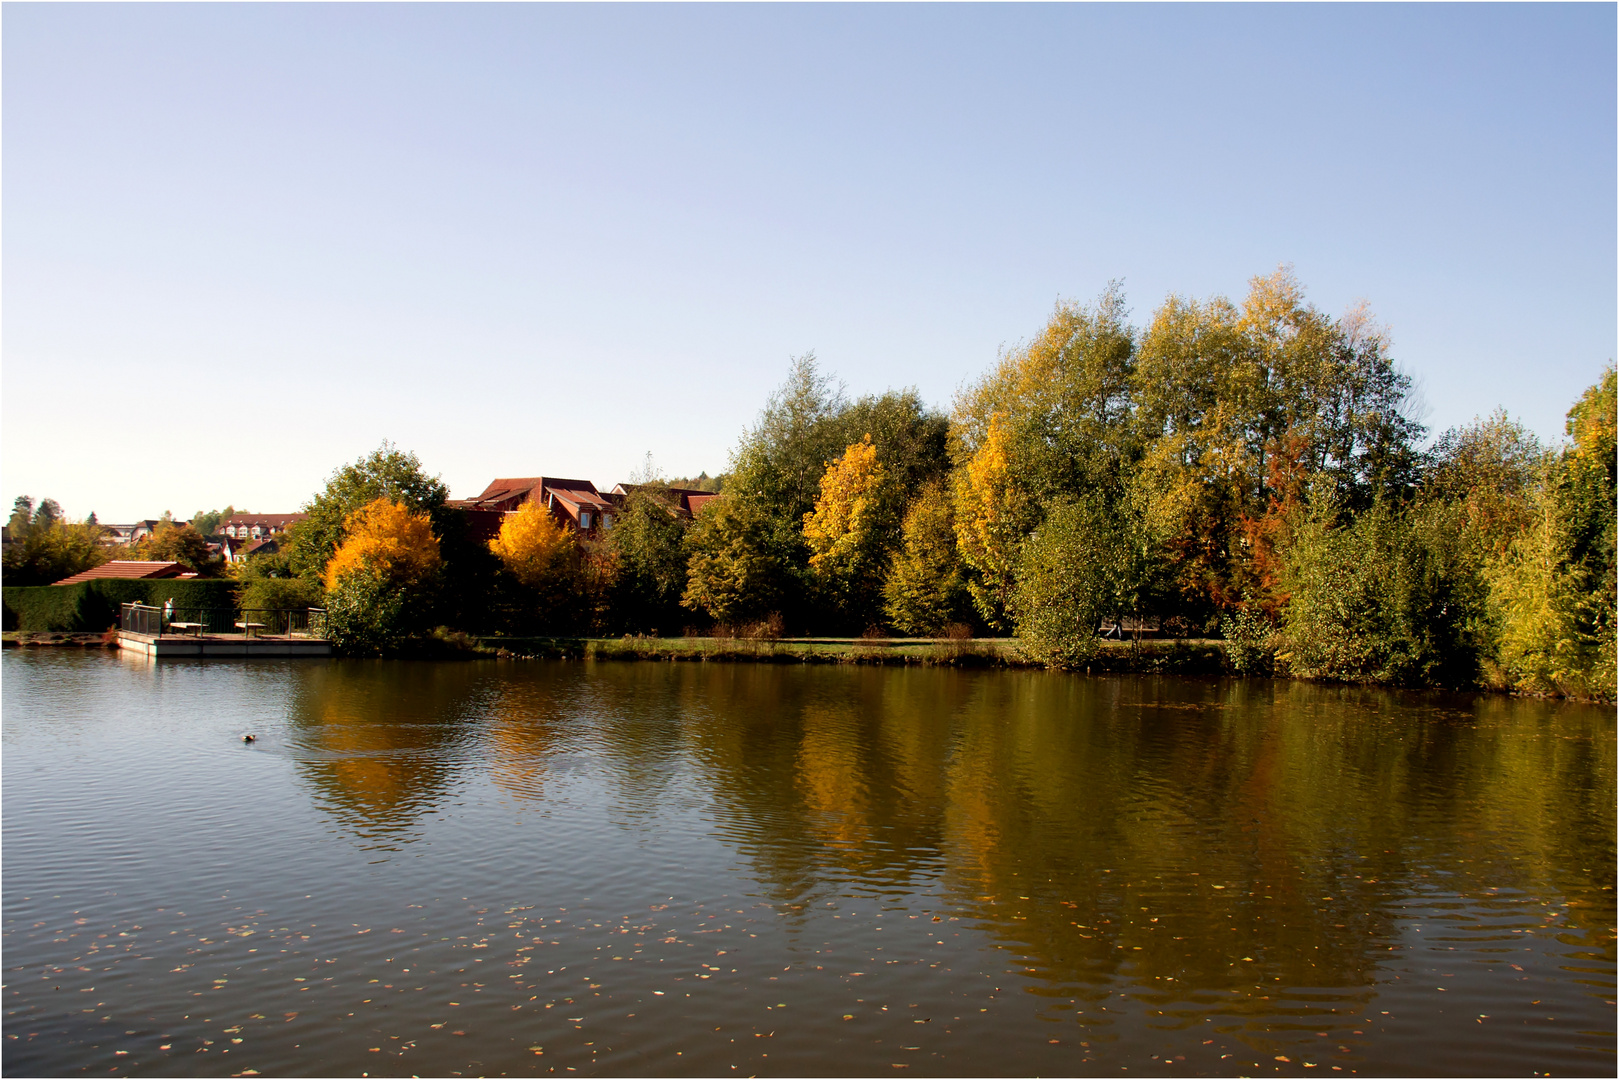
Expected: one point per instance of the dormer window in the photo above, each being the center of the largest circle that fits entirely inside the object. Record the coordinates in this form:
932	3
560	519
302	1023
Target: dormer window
607	521
584	519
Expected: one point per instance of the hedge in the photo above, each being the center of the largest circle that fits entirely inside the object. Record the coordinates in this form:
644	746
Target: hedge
92	606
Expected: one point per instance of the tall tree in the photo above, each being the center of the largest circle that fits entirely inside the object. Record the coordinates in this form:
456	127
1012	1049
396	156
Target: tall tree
647	541
1050	422
925	589
381	581
852	531
384	473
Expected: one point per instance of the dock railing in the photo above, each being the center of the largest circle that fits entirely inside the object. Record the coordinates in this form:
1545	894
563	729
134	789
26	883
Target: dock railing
309	623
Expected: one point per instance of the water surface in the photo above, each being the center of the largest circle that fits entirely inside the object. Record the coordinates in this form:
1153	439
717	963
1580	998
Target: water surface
497	868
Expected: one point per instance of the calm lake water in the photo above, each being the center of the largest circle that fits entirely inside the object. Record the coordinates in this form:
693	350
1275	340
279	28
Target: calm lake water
537	867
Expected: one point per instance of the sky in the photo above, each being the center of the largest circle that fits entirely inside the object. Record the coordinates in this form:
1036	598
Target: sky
242	245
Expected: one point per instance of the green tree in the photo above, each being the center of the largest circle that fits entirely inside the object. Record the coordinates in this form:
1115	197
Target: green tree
1076	571
1490	468
384	473
649	554
1393	595
181	544
926	589
269	583
45	548
206	522
1049	424
1553	591
735	567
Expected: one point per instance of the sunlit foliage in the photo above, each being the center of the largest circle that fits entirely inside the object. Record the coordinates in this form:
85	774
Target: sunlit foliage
852	528
178	543
926	588
45	548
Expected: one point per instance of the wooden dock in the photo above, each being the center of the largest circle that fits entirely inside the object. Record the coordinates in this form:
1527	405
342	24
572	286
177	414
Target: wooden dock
160	646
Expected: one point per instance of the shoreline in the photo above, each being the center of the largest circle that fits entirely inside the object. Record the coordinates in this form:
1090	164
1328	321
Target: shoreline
1162	656
1193	657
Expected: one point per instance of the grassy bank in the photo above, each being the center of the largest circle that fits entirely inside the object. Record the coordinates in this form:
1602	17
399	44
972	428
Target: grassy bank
1185	657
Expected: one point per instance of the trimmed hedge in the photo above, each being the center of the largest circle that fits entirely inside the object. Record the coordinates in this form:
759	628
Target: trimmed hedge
92	606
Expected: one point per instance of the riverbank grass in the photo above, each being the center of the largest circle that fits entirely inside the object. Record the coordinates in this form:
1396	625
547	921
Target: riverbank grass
1185	657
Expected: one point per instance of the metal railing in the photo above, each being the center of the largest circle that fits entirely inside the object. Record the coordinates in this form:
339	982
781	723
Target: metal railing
141	619
152	621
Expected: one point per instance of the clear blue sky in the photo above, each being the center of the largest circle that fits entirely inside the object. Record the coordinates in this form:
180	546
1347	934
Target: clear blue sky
245	244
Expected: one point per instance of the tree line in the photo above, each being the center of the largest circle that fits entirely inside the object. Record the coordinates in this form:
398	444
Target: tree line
1248	471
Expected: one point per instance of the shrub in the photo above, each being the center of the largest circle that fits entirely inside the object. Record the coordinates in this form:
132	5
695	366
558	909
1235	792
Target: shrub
287	592
92	606
1395	596
1065	585
1248	635
367	614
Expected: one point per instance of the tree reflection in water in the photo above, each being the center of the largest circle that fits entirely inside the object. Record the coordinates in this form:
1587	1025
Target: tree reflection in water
1215	844
382	742
1196	838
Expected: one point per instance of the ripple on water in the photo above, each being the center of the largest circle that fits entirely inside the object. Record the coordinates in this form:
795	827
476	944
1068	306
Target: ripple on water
470	868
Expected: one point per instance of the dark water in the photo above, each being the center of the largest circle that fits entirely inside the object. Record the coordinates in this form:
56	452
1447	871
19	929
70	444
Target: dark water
493	868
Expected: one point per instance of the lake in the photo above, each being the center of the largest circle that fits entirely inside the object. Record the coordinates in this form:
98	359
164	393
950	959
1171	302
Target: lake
508	867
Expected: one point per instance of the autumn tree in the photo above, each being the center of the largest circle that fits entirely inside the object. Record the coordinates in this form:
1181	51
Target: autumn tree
1246	416
385	473
1554	589
541	555
1050	422
852	531
925	590
45	547
381	581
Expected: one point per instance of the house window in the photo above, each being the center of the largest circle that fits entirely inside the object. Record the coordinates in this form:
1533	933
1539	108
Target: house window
607	521
584	519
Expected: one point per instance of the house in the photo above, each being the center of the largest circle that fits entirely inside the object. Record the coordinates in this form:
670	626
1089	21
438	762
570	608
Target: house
235	551
258	526
574	502
130	569
124	535
687	501
268	546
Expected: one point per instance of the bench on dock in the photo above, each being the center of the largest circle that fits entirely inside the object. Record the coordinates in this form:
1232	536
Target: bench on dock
187	627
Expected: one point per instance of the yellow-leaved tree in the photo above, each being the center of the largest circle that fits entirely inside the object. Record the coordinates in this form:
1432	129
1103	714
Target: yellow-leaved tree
541	553
380	582
387	540
989	520
925	590
850	530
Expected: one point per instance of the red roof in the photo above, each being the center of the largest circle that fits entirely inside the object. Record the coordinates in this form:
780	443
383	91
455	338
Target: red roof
130	568
508	493
697	502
